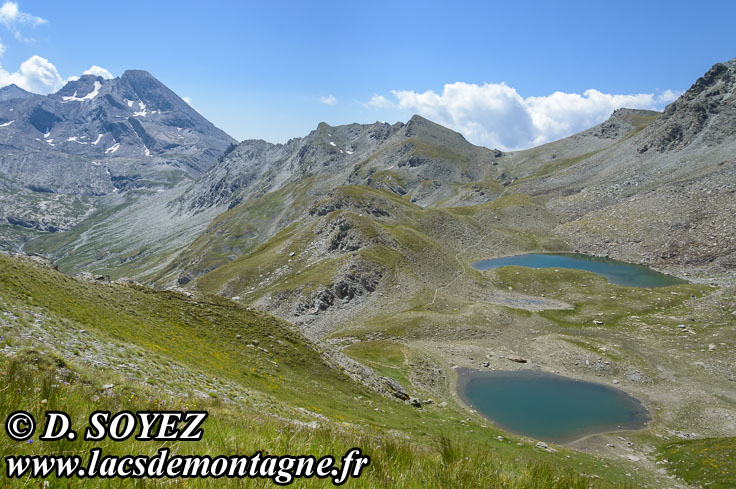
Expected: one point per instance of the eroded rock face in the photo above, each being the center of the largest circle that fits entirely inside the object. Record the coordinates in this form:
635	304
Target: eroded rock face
358	279
706	111
335	201
345	237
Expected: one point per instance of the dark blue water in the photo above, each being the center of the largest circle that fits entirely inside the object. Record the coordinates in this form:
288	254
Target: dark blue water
616	272
549	407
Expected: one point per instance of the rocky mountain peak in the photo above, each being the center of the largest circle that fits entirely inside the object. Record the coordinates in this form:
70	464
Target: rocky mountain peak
13	91
140	75
96	136
720	74
140	85
706	112
420	127
419	159
83	89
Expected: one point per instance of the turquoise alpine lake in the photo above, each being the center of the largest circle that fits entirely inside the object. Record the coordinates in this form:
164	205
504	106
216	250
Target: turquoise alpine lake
616	272
549	407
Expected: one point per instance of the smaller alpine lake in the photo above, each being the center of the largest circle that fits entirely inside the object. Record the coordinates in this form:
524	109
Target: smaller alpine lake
549	407
616	272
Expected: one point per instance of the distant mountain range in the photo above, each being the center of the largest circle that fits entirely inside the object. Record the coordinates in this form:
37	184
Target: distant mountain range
130	154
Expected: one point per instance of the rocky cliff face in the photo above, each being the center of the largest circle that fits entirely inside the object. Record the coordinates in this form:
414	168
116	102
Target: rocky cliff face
706	113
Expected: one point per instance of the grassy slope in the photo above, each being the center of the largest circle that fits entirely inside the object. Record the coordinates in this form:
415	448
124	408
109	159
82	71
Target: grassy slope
395	462
709	462
587	292
411	240
45	312
455	314
58	244
246	272
238	231
386	358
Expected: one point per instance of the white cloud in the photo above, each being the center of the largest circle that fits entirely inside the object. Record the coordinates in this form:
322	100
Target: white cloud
2	49
380	102
668	96
99	71
329	100
36	74
189	101
12	18
495	115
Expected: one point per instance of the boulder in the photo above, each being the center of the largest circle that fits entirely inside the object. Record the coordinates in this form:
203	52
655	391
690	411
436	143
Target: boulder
395	388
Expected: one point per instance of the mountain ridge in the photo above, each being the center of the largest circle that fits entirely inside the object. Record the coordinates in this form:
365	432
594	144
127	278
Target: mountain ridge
93	138
364	236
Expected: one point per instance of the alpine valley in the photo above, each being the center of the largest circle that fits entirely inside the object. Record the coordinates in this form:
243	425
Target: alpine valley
321	294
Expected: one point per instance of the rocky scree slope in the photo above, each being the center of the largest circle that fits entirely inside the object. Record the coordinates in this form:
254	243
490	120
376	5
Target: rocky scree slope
353	202
598	191
258	188
267	186
664	196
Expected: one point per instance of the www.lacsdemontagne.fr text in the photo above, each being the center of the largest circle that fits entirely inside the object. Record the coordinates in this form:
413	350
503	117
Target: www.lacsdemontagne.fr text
160	426
282	470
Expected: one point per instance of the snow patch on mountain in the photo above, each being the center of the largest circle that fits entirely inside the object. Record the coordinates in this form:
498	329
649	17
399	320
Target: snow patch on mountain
95	91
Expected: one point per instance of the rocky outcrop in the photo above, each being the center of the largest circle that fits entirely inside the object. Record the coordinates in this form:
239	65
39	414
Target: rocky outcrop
707	111
395	388
356	280
336	201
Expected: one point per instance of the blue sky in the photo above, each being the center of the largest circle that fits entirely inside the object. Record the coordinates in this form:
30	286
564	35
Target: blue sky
487	69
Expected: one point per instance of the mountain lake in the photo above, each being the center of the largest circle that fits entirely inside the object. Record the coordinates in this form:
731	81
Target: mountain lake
549	407
616	272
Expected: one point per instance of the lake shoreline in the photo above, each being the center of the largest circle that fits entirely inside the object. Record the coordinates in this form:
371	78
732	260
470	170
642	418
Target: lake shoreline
466	375
614	271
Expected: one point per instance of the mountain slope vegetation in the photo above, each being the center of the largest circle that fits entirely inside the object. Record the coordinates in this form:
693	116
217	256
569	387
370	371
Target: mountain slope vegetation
363	238
80	346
